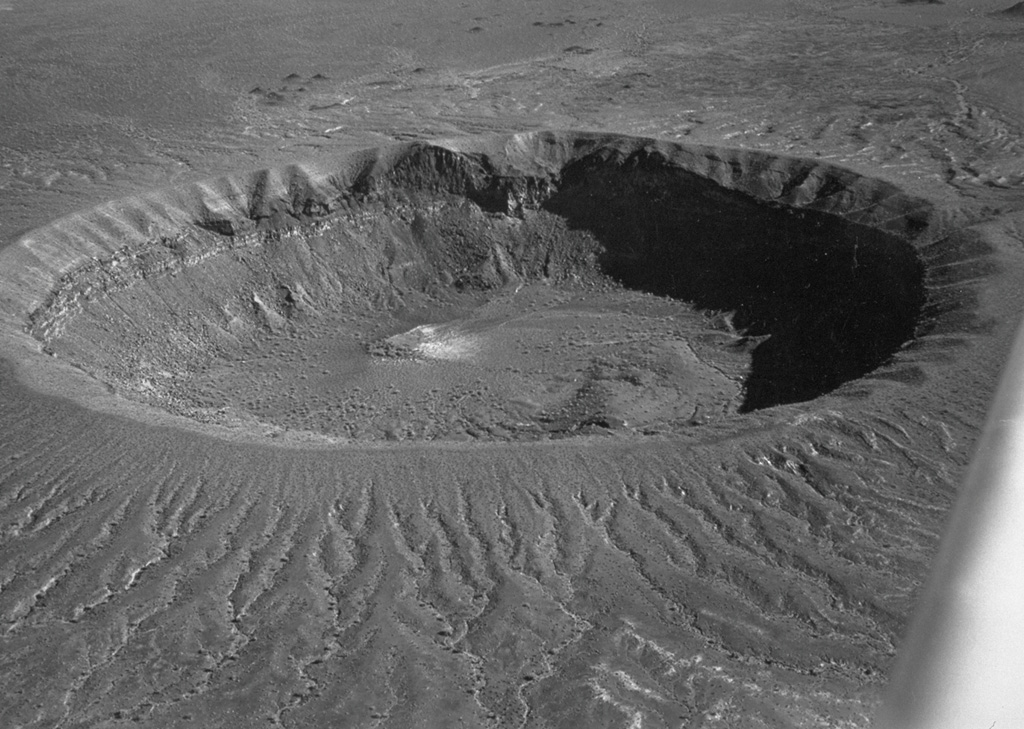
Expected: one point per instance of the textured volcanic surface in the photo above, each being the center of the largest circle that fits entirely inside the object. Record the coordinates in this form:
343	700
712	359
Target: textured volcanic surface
729	536
291	448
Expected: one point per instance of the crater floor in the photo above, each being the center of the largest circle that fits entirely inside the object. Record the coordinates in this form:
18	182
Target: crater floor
527	362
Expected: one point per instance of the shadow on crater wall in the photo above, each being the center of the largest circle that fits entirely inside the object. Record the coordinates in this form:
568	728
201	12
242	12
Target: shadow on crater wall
835	298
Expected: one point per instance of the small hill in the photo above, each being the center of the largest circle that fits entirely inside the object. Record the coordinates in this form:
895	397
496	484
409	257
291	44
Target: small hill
1014	11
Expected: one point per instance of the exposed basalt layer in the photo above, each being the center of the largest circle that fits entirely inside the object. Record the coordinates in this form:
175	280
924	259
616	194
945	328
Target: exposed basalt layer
813	272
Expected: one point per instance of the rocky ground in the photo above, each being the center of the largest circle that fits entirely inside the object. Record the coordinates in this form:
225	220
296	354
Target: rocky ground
591	445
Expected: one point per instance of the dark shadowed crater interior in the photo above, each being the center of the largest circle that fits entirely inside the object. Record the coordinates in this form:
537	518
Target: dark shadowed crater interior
435	293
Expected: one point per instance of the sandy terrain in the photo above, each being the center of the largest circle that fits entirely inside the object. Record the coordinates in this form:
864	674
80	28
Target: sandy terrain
336	391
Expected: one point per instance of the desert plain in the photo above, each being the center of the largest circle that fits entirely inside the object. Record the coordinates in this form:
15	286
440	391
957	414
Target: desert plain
491	364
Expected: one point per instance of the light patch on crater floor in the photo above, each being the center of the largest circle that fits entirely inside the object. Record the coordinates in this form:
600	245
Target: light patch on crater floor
443	342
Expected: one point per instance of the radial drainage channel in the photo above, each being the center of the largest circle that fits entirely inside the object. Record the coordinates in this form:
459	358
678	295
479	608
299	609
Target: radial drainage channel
538	286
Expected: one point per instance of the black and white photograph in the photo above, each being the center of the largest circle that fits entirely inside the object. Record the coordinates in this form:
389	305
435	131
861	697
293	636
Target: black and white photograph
510	364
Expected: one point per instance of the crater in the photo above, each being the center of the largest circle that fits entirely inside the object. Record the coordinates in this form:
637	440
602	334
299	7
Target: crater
523	287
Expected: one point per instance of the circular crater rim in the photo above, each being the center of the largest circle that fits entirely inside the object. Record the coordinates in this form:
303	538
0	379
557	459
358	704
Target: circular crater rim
579	182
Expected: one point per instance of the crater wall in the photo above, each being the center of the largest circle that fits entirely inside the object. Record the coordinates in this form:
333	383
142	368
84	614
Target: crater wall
817	274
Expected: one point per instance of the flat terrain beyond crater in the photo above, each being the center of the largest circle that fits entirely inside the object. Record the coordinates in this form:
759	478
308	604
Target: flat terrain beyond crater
525	287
